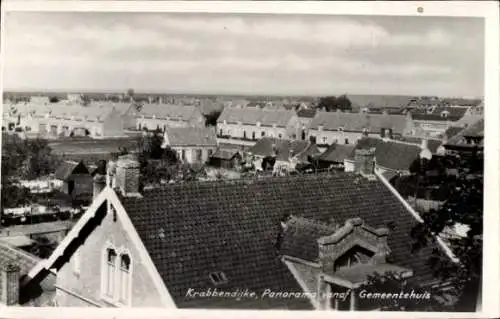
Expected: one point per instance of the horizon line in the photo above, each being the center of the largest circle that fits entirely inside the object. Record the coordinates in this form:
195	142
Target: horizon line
157	92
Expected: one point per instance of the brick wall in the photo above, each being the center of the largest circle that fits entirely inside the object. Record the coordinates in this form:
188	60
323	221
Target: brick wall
88	282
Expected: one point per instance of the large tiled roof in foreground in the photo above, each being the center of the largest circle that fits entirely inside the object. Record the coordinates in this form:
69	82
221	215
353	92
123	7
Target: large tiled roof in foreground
191	230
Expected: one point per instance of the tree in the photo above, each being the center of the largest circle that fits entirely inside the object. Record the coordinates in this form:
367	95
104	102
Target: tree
464	206
85	99
42	247
211	118
130	94
332	103
23	159
54	99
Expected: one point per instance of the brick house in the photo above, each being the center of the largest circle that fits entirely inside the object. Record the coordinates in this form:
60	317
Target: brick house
76	178
346	128
160	116
161	247
192	144
252	124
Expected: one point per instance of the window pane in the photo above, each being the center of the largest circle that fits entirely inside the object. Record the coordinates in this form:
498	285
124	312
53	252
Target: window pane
125	262
111	256
111	280
124	285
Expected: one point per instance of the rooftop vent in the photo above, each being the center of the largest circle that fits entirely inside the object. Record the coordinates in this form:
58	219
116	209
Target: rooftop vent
218	278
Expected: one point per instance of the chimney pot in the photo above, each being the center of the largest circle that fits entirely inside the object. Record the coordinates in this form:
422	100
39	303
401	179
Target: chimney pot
355	221
127	175
10	284
365	161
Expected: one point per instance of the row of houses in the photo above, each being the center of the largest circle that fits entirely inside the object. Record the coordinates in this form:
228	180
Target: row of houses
253	123
97	120
393	155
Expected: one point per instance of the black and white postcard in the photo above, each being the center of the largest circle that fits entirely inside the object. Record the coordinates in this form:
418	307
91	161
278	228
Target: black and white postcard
249	156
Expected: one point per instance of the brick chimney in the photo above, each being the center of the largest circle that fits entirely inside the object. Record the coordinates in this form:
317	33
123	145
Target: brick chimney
10	284
365	161
127	175
382	247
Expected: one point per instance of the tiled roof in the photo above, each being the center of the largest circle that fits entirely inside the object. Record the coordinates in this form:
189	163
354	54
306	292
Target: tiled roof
356	122
66	169
390	154
169	111
92	112
39	291
267	146
225	154
454	114
309	113
191	136
252	116
193	229
300	239
337	153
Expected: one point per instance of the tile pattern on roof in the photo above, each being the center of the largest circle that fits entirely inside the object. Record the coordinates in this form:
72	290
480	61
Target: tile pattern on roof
232	227
65	111
252	116
44	286
191	136
356	122
300	238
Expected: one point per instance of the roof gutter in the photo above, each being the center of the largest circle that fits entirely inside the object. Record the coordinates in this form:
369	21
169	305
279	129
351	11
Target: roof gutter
417	216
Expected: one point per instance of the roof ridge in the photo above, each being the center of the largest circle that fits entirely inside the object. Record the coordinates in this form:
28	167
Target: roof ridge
247	179
21	252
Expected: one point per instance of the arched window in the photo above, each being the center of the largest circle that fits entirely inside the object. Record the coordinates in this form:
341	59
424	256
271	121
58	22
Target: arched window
109	272
125	264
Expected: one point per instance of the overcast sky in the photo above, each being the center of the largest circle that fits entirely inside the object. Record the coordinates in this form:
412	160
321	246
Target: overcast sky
264	54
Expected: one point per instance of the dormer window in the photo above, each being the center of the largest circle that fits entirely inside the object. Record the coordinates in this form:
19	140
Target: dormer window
218	278
445	114
258	124
225	122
